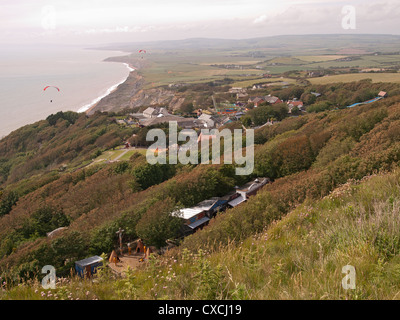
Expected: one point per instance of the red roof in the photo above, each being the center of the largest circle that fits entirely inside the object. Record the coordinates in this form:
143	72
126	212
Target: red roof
382	94
295	103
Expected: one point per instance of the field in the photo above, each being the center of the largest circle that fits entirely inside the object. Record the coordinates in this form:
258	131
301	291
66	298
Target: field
246	67
321	58
197	67
376	77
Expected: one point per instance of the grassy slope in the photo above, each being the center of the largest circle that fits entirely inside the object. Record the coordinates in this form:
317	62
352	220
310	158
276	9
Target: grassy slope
99	197
298	257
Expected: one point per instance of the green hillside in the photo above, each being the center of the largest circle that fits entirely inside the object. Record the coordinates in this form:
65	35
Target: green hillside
333	202
300	256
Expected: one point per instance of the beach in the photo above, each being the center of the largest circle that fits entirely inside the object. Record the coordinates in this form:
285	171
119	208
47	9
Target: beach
87	108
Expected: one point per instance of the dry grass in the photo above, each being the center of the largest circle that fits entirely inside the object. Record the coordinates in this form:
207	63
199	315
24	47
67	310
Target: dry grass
298	257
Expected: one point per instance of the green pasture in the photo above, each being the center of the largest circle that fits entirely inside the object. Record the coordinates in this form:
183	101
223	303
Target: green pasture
375	77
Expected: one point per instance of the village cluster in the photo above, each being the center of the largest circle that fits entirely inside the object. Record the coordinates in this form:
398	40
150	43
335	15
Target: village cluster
217	116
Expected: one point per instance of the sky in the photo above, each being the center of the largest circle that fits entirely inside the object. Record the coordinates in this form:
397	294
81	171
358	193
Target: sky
92	22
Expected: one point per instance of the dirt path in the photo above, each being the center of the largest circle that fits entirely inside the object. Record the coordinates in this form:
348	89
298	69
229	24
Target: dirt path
122	154
131	261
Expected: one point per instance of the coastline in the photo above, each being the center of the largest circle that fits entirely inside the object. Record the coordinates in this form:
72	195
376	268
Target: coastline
90	106
119	96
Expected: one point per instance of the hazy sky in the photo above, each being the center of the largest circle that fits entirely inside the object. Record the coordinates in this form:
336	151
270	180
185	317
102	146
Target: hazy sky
104	21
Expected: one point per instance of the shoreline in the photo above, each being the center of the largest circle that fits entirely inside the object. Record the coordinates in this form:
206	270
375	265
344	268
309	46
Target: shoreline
88	107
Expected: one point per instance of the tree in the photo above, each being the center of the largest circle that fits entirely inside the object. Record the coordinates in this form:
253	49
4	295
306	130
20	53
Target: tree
148	175
295	111
8	200
47	219
157	224
187	108
68	248
246	121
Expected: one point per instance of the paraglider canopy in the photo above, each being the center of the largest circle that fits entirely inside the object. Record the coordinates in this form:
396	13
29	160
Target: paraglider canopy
51	87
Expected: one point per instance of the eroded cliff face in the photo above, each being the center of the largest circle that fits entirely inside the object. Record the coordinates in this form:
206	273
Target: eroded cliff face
120	98
131	94
149	97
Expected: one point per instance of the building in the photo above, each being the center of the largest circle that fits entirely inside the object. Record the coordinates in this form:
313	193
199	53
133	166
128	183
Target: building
241	194
295	103
251	188
242	95
197	217
238	199
194	219
238	115
150	113
155	112
382	94
186	123
88	267
212	206
256	100
226	121
208	121
272	99
237	90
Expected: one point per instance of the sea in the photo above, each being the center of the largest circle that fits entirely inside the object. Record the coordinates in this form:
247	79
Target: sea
77	78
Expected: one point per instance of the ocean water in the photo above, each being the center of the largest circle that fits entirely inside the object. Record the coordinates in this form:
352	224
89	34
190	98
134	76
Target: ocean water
81	75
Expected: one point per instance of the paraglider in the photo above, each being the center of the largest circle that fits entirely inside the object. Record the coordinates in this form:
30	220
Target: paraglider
51	87
142	51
